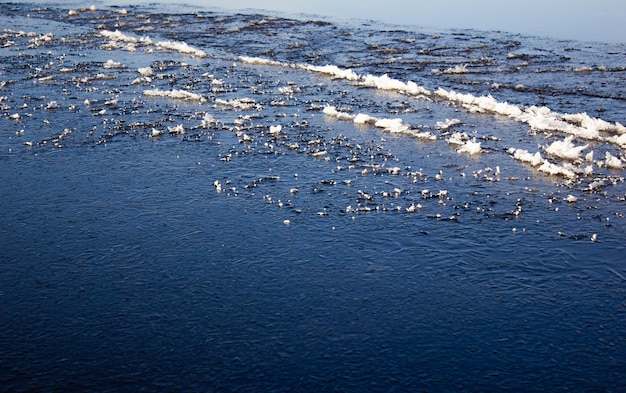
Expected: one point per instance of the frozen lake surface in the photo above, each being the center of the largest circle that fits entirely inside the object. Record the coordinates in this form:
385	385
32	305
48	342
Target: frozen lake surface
205	201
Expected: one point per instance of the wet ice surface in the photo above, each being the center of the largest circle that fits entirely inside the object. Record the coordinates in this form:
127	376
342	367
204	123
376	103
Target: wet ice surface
230	214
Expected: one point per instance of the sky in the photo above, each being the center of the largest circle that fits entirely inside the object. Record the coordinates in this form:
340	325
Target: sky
596	20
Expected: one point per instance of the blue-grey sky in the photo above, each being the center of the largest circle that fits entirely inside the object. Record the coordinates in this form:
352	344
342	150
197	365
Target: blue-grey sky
591	20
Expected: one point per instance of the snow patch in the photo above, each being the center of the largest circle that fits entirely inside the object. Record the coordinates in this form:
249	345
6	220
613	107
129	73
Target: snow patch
175	94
